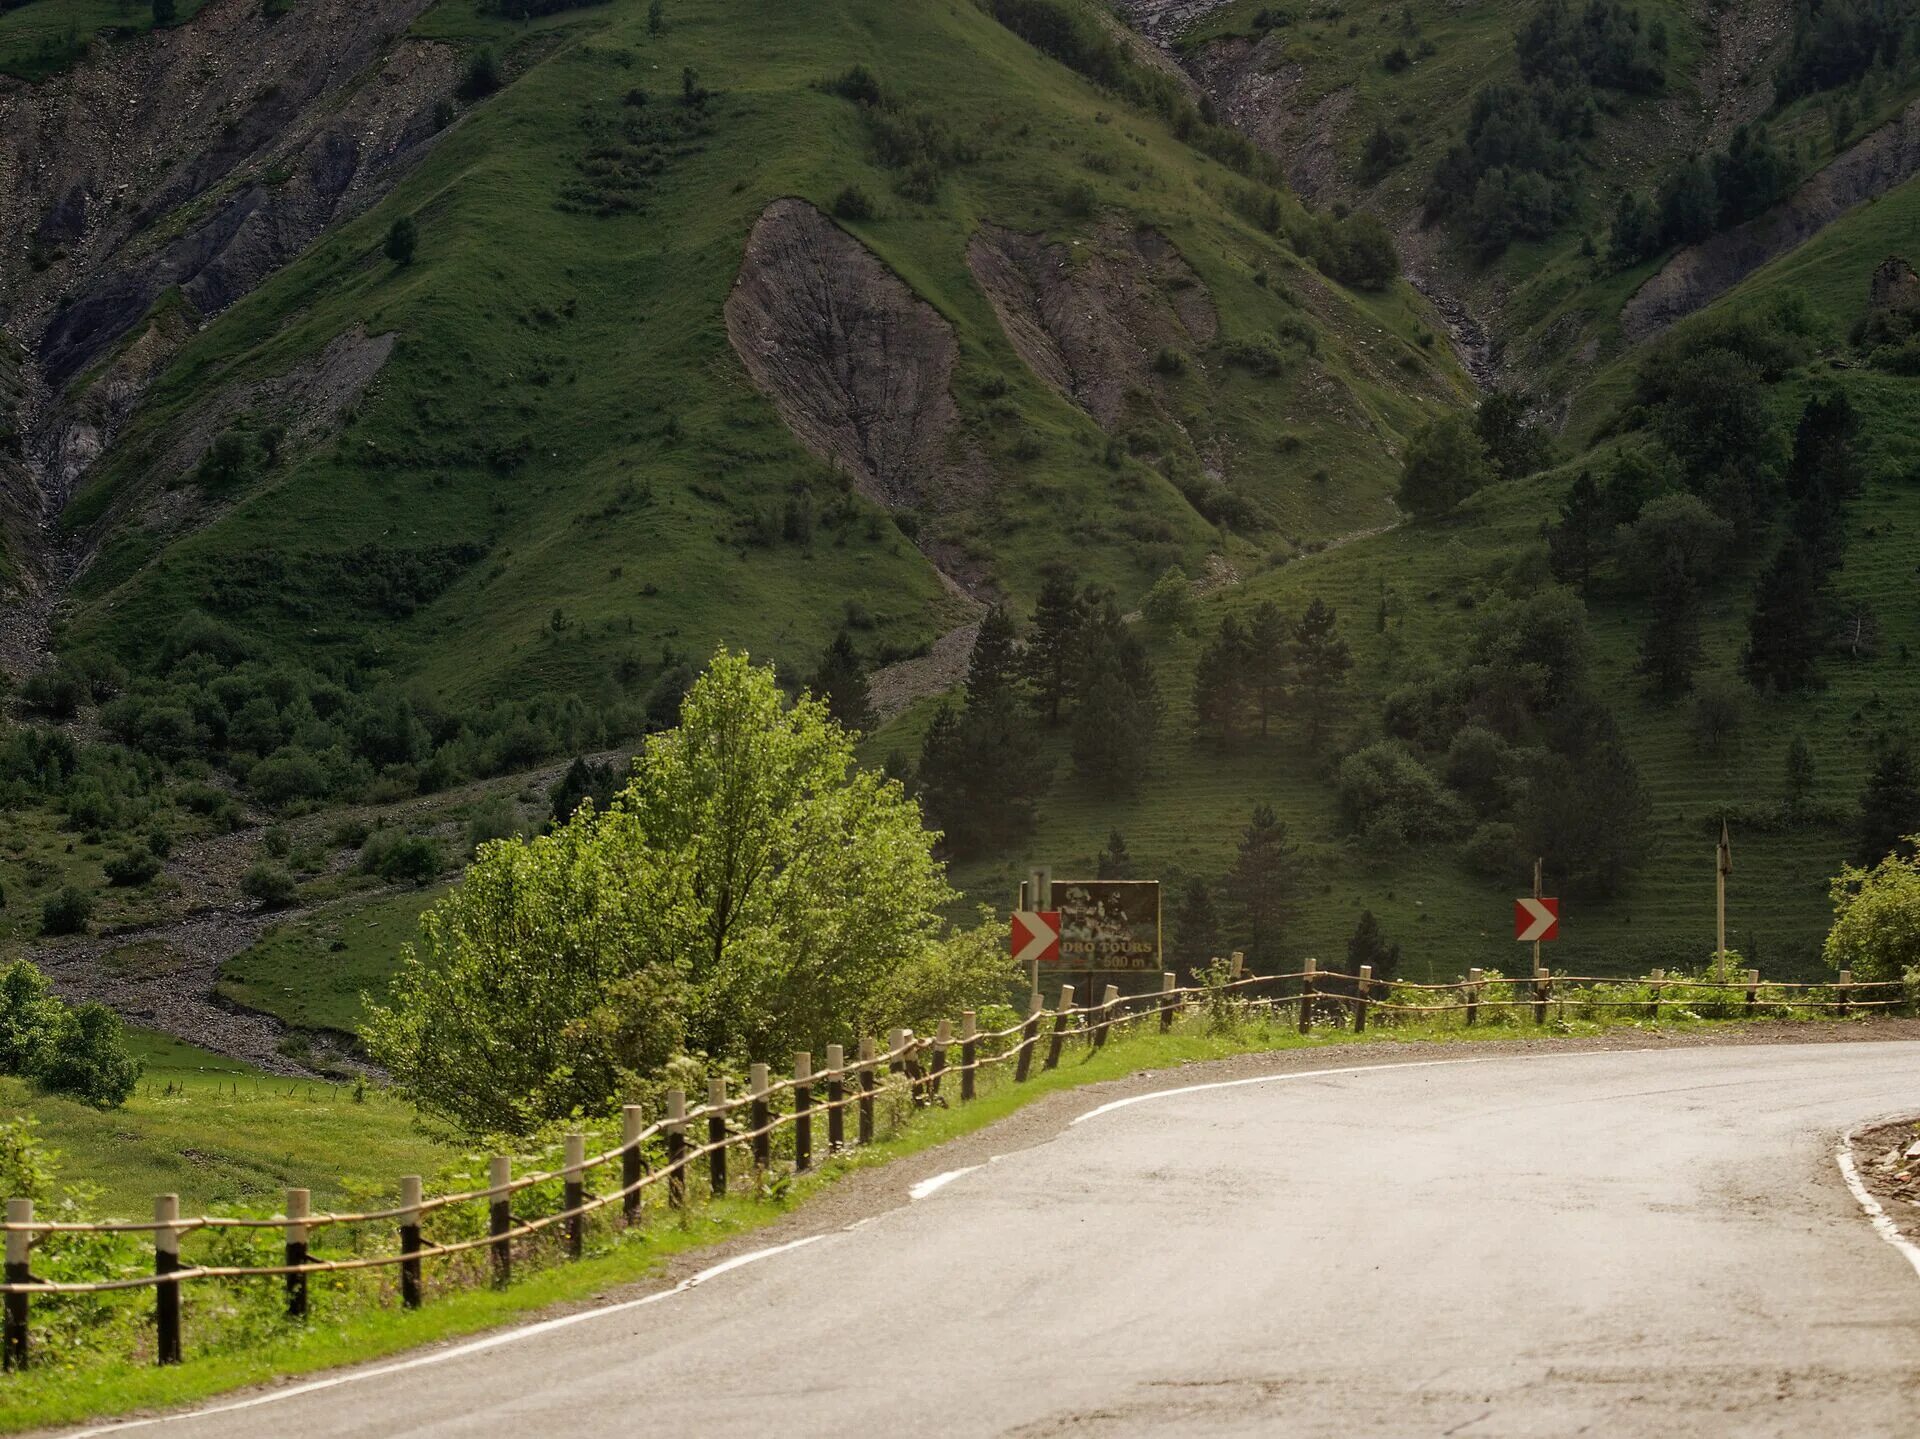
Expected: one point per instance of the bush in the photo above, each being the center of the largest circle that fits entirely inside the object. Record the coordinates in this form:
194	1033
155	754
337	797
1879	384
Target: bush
395	856
403	238
1387	794
67	912
88	1058
482	76
853	204
270	884
1493	850
132	869
1876	925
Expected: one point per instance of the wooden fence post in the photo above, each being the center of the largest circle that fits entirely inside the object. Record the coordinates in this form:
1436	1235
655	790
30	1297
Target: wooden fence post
761	1115
802	1111
1753	991
299	1206
1362	993
1167	979
1846	993
1107	1002
500	1218
717	1135
1653	994
896	1061
969	1053
1306	995
867	1078
1473	996
1059	1026
573	1192
630	1162
942	1042
166	1296
1029	1036
410	1290
836	1098
1542	992
1238	961
13	1347
677	1148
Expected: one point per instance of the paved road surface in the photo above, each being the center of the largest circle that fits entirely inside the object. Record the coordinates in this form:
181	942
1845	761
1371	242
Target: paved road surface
1611	1244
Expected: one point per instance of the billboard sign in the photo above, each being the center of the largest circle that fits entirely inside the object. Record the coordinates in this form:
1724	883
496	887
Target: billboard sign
1108	924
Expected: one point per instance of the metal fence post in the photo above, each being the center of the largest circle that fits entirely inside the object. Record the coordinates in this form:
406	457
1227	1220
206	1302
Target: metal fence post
630	1162
500	1218
1029	1036
802	1111
13	1346
867	1081
166	1296
410	1289
717	1135
677	1148
574	1193
299	1206
969	1053
1473	996
1059	1027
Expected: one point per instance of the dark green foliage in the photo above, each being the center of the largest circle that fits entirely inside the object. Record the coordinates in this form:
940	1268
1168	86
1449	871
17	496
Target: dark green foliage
1444	465
67	912
1388	797
87	1058
853	204
1750	175
980	773
1509	177
1580	538
1603	44
1637	232
1319	660
841	681
132	869
656	16
228	464
1889	806
1353	248
268	883
403	238
1716	419
1689	204
399	857
1670	649
482	76
1383	150
1790	623
1836	42
1194	928
55	693
1369	946
993	666
1262	889
1798	780
1117	702
1220	682
585	779
1824	473
165	12
1268	661
1051	654
534	9
1115	862
1586	812
1514	444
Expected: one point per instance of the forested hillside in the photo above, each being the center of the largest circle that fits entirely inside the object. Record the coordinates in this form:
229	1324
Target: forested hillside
1321	458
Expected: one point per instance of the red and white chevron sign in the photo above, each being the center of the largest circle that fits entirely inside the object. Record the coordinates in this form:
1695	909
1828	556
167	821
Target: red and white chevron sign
1535	920
1036	936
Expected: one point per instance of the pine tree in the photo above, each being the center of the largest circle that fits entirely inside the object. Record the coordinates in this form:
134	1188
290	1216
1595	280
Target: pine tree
1119	702
841	682
1262	887
1670	650
993	665
403	238
1196	927
1267	661
1321	660
1369	947
1115	862
1798	780
1689	205
980	773
1789	623
1824	474
1054	641
1889	806
1579	541
1220	681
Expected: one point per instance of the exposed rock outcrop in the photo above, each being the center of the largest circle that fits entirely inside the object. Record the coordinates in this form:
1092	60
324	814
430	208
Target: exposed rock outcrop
1089	319
1163	20
858	365
1701	273
1894	288
1260	94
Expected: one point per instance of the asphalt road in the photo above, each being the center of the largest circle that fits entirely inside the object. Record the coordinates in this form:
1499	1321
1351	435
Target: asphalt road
1604	1243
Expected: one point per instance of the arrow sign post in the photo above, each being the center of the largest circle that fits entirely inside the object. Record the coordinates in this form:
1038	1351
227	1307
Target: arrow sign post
1535	920
1036	937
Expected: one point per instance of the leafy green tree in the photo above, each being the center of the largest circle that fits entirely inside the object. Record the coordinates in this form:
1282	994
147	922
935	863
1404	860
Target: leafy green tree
1220	681
1578	540
1876	919
752	888
1195	927
1115	862
1170	603
88	1058
1635	234
29	1014
1382	151
403	238
1750	175
1262	888
483	75
1513	443
68	912
1321	659
1444	465
1824	473
1586	809
1889	806
1716	418
841	683
1053	641
1790	622
1677	533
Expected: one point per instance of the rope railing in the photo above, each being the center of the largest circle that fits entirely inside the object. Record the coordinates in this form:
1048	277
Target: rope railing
662	1155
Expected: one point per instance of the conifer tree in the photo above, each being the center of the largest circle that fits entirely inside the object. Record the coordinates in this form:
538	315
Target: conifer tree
1798	780
1196	927
1268	661
1115	862
1369	947
1889	806
1789	624
1824	474
1578	541
994	666
1263	886
1118	710
1321	659
1670	649
1053	641
1220	681
841	681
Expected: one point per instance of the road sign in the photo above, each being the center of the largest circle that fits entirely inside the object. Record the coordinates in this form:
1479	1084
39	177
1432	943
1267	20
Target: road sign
1535	920
1107	925
1036	936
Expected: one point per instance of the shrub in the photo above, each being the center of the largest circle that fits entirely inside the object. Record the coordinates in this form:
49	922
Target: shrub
132	869
1876	924
88	1059
395	856
1387	794
67	912
482	76
270	884
854	204
1493	850
403	238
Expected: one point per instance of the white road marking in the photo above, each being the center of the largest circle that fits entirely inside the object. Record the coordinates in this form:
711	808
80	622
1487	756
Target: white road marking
1112	1105
458	1351
938	1182
1882	1223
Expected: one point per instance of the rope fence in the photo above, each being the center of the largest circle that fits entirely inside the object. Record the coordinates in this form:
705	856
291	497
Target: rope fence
657	1158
